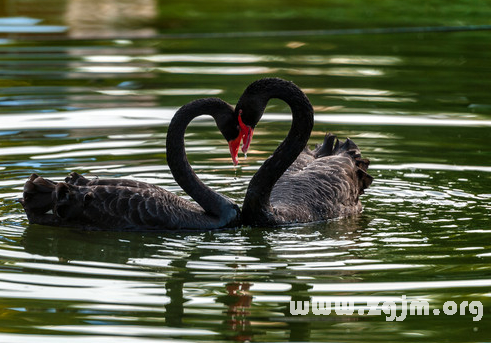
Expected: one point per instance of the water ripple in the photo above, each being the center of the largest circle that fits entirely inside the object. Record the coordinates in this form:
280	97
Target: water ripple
400	286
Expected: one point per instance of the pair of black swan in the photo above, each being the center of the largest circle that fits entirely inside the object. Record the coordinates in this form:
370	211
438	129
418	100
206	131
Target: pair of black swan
294	185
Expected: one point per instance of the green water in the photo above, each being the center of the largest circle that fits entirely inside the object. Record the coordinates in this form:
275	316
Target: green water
92	89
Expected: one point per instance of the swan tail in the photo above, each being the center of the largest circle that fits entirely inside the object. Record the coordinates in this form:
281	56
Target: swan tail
37	197
47	202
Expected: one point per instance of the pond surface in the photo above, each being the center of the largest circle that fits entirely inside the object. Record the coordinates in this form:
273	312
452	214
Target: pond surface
417	105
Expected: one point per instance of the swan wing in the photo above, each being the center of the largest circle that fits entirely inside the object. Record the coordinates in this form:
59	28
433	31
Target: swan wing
322	184
109	207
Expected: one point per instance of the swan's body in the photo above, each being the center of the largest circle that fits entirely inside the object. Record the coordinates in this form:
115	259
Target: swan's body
119	204
296	184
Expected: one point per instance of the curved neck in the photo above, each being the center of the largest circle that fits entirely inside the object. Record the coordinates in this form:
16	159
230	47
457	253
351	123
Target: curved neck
256	202
211	201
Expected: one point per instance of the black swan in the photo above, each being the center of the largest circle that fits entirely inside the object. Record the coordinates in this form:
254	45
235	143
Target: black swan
296	184
121	204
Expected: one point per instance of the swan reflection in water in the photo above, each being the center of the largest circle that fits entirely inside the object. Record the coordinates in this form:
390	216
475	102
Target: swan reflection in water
171	273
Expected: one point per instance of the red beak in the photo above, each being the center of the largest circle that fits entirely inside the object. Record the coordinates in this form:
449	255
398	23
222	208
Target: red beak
245	135
246	132
234	149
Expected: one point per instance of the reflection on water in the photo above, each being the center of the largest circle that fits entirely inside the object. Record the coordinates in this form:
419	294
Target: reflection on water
86	18
418	109
95	18
157	285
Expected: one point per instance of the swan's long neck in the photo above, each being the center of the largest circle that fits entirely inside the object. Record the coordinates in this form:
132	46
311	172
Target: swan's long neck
212	202
256	203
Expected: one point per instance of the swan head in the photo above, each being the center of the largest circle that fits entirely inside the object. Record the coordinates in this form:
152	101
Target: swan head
248	114
234	131
228	124
253	101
